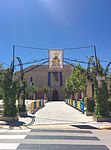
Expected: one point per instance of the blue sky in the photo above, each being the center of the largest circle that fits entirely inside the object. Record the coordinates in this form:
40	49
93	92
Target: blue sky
55	24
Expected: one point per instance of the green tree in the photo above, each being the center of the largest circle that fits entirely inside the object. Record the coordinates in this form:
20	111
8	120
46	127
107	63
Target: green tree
101	97
1	89
1	93
9	94
101	94
68	87
110	87
30	90
77	80
1	79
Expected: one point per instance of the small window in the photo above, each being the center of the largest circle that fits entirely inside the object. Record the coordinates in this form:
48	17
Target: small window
31	79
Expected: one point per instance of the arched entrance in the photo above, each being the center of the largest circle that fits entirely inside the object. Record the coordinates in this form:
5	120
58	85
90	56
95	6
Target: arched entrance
55	95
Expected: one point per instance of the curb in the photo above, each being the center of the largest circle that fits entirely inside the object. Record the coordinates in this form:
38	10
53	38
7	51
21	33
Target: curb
50	126
4	126
38	126
108	127
14	127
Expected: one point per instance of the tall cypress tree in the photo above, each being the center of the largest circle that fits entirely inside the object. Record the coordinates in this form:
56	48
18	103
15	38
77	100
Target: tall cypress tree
9	94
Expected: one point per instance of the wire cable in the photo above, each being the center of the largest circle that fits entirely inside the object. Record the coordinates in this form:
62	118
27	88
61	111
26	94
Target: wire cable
31	47
79	47
31	62
36	66
75	60
69	63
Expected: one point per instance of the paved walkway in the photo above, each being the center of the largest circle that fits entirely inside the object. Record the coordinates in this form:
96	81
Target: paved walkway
58	113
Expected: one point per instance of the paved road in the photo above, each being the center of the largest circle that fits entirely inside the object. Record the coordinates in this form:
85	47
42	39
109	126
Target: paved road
50	139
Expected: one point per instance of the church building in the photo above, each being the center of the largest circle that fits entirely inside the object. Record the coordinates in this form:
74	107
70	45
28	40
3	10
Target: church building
54	80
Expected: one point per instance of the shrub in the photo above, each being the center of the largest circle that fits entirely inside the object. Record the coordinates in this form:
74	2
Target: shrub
101	97
90	105
9	94
109	106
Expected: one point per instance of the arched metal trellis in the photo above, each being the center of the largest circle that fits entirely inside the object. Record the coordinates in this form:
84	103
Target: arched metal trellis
12	67
21	68
107	67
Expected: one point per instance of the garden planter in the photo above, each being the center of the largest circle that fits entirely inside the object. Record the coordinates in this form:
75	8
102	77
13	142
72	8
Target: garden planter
102	119
3	118
89	113
22	114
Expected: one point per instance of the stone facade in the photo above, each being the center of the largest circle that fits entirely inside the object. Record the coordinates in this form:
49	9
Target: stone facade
44	77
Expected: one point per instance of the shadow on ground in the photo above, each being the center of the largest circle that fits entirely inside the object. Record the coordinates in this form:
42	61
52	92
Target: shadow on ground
21	123
84	126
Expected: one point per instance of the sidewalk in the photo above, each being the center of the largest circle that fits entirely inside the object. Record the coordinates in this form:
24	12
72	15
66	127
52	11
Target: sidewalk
58	113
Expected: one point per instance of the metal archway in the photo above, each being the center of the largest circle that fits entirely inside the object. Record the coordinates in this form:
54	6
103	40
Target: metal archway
21	67
107	67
